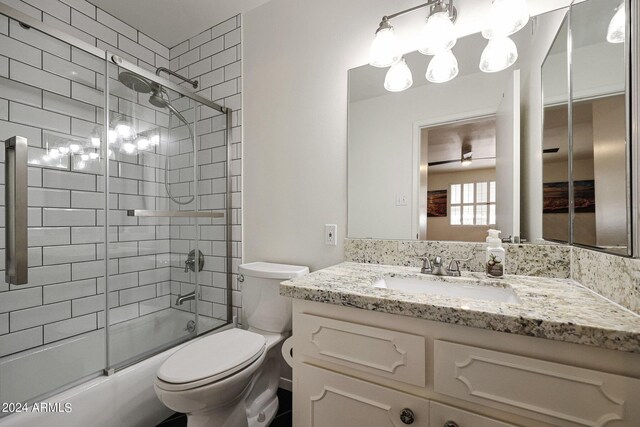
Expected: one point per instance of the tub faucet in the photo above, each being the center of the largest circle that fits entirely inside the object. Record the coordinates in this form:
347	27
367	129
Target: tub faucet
187	297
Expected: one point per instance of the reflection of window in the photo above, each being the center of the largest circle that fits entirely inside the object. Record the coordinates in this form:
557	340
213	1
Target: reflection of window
473	203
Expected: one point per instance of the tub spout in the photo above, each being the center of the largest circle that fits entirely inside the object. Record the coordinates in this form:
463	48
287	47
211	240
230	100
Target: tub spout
182	298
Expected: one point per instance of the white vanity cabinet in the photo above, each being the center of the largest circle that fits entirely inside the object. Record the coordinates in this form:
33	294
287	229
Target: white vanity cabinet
355	367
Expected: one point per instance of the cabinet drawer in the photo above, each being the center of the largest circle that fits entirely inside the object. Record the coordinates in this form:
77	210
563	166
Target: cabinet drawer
575	395
441	414
325	399
383	352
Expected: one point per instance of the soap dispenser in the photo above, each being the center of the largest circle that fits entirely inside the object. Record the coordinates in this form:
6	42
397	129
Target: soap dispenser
495	254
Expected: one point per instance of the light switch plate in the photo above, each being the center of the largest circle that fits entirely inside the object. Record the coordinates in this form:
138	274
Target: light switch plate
331	234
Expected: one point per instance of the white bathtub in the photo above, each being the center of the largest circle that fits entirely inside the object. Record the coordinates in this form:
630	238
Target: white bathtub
125	398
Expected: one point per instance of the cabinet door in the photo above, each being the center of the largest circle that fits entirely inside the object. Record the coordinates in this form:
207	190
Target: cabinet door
444	415
326	399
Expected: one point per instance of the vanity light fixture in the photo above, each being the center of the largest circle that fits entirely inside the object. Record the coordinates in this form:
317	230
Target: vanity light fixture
616	29
442	67
398	77
505	18
499	54
437	37
438	33
385	49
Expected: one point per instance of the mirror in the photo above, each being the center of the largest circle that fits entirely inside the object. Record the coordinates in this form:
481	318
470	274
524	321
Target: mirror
590	148
555	139
442	161
447	161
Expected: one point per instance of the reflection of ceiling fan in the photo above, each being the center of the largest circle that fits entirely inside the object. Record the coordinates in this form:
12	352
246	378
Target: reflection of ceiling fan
466	157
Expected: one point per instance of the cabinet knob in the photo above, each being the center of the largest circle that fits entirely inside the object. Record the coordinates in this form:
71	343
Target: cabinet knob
407	416
450	424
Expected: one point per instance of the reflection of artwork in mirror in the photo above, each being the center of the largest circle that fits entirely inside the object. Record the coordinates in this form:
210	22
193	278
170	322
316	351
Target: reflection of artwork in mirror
556	197
437	203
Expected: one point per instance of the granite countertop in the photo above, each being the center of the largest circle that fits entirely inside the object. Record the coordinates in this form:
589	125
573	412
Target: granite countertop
556	309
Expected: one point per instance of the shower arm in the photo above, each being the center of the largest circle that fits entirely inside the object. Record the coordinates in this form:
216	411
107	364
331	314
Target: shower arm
193	83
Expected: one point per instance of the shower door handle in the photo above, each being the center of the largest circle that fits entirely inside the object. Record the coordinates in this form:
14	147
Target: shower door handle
15	178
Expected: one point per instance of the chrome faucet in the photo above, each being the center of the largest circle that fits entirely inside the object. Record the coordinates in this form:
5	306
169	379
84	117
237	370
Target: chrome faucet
187	297
436	267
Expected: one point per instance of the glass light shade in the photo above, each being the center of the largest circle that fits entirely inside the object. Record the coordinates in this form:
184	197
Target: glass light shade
437	35
128	148
385	49
465	162
506	17
398	77
499	54
616	29
442	67
143	143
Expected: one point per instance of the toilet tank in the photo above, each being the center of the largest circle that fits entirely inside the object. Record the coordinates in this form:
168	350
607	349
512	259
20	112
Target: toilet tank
262	306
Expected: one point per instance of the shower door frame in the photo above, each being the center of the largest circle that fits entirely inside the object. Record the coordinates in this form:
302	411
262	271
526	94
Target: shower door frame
115	59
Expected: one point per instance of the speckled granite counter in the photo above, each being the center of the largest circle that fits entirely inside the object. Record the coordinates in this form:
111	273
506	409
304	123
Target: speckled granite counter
556	309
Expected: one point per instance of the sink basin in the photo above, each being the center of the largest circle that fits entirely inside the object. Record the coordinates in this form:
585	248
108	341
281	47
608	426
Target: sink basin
456	288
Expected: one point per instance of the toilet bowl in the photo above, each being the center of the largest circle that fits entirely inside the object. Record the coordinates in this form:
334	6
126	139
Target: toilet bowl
230	378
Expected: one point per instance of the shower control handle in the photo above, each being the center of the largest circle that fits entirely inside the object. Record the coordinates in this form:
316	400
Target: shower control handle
190	263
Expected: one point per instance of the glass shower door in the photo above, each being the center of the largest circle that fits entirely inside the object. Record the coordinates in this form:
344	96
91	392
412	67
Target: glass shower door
52	300
156	254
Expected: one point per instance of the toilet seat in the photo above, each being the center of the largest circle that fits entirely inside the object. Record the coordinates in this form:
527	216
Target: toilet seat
210	359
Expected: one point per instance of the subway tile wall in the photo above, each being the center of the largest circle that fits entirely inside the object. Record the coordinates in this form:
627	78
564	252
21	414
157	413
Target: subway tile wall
51	92
213	57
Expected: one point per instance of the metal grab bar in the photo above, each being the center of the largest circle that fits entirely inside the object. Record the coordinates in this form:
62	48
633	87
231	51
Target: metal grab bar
16	204
174	214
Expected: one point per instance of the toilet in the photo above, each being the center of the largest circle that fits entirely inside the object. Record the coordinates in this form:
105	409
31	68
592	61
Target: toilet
230	378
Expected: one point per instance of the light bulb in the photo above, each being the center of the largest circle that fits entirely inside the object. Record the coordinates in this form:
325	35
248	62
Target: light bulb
95	141
155	139
398	77
113	136
499	54
143	144
437	35
93	155
128	148
385	48
84	157
125	131
442	67
616	29
63	150
54	153
74	148
506	17
465	162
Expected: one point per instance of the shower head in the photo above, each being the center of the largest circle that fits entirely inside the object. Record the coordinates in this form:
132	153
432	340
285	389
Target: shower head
157	100
135	82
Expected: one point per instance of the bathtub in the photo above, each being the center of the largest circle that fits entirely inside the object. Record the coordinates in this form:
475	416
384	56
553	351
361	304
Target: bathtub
125	398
